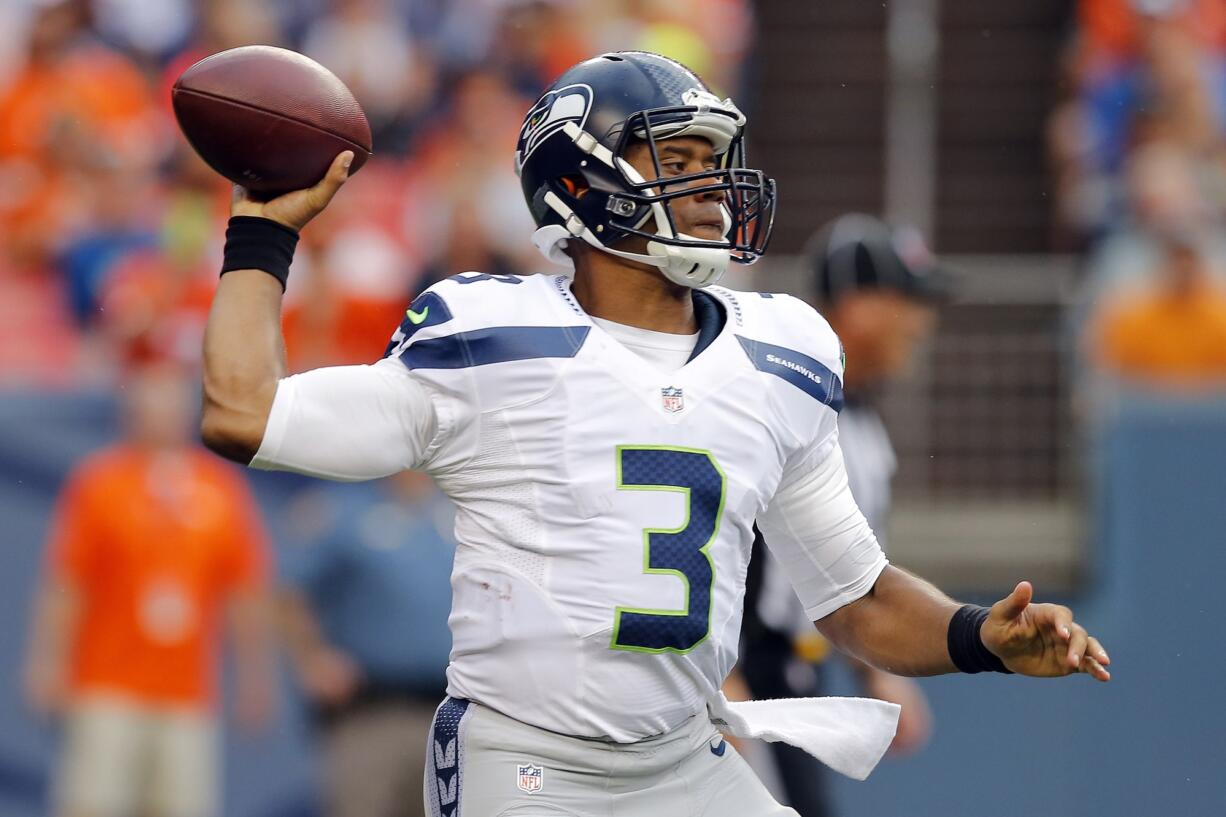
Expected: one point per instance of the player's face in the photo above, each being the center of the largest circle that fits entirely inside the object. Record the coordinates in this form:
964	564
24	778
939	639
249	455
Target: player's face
881	331
698	215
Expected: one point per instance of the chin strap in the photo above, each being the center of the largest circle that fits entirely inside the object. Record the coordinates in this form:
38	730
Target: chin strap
695	267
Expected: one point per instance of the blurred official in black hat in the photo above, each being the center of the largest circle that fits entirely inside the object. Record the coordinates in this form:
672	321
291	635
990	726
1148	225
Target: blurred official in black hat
879	287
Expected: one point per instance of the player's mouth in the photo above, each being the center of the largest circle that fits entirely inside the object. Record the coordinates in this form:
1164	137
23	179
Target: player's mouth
708	230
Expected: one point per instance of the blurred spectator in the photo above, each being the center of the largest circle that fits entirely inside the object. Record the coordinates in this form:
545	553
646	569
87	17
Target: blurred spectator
39	344
106	218
75	106
535	41
154	544
358	277
465	247
710	36
1168	193
152	301
878	288
150	31
221	25
1171	330
365	606
460	183
1143	71
367	44
1114	29
118	198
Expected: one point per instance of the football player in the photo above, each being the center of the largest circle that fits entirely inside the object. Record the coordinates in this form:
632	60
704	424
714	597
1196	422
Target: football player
609	438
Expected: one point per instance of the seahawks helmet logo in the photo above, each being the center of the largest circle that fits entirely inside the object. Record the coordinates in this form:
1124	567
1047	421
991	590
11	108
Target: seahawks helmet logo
567	104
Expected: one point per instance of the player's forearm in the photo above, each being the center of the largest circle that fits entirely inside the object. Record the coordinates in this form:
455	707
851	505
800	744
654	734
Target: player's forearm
901	626
244	357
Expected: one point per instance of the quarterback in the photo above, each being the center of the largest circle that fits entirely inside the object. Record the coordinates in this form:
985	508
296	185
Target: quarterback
609	439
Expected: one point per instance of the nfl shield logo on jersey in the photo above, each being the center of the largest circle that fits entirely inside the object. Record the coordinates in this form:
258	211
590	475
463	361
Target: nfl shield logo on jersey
529	778
674	399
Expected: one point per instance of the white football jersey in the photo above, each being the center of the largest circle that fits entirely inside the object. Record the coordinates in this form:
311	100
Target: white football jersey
605	508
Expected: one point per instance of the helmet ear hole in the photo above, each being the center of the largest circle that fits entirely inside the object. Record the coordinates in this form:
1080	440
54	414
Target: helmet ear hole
576	186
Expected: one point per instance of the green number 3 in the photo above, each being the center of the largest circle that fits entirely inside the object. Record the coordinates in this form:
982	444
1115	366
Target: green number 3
683	552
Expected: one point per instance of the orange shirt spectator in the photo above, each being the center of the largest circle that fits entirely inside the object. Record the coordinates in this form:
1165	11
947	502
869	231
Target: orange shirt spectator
1173	333
75	104
154	544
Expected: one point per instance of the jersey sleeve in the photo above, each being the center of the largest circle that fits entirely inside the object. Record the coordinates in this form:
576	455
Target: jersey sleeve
821	539
353	423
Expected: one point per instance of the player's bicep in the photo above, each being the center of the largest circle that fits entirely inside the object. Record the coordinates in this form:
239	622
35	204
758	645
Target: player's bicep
820	537
350	423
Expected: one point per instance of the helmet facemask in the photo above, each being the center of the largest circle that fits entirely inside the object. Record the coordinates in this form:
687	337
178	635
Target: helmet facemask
643	207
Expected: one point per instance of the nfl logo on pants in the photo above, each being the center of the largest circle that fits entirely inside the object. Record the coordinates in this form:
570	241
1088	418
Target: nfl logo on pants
529	778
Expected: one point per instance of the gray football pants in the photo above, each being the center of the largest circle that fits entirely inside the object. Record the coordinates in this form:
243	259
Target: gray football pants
481	763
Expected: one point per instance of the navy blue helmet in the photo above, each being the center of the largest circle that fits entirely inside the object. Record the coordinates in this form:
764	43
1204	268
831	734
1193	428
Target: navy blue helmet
578	184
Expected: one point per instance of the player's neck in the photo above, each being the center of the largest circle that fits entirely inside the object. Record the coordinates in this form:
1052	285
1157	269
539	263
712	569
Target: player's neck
632	294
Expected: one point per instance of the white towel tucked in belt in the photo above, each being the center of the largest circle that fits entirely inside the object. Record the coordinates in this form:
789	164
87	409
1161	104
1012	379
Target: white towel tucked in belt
847	734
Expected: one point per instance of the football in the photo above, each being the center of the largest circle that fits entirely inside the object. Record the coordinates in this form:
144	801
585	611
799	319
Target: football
268	118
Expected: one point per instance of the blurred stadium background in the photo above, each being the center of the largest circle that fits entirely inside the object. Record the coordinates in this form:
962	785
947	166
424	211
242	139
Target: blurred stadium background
1067	424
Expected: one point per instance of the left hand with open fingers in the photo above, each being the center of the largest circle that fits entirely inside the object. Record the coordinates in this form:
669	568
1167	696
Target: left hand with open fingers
1042	640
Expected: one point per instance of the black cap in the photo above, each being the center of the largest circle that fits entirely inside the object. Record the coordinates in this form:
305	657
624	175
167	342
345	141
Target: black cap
857	251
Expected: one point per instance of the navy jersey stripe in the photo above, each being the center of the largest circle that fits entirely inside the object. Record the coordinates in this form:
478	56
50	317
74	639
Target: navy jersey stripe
810	376
495	344
444	759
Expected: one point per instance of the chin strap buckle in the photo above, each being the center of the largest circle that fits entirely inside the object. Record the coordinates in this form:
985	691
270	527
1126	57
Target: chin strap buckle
620	207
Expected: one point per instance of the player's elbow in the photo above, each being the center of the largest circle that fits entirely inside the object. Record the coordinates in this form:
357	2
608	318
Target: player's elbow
234	432
226	436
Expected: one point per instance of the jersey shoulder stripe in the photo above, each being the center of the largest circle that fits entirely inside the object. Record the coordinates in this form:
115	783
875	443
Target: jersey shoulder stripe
476	302
495	344
811	376
490	341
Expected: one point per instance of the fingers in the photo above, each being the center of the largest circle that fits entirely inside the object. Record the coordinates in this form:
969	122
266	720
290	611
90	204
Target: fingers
1077	642
337	173
1095	670
1095	650
1015	603
1095	660
1086	654
1091	666
1062	621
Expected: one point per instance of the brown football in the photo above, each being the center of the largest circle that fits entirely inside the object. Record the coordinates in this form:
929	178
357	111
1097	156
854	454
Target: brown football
269	119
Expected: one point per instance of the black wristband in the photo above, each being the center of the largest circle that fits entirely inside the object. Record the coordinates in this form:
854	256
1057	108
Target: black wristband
259	243
965	644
